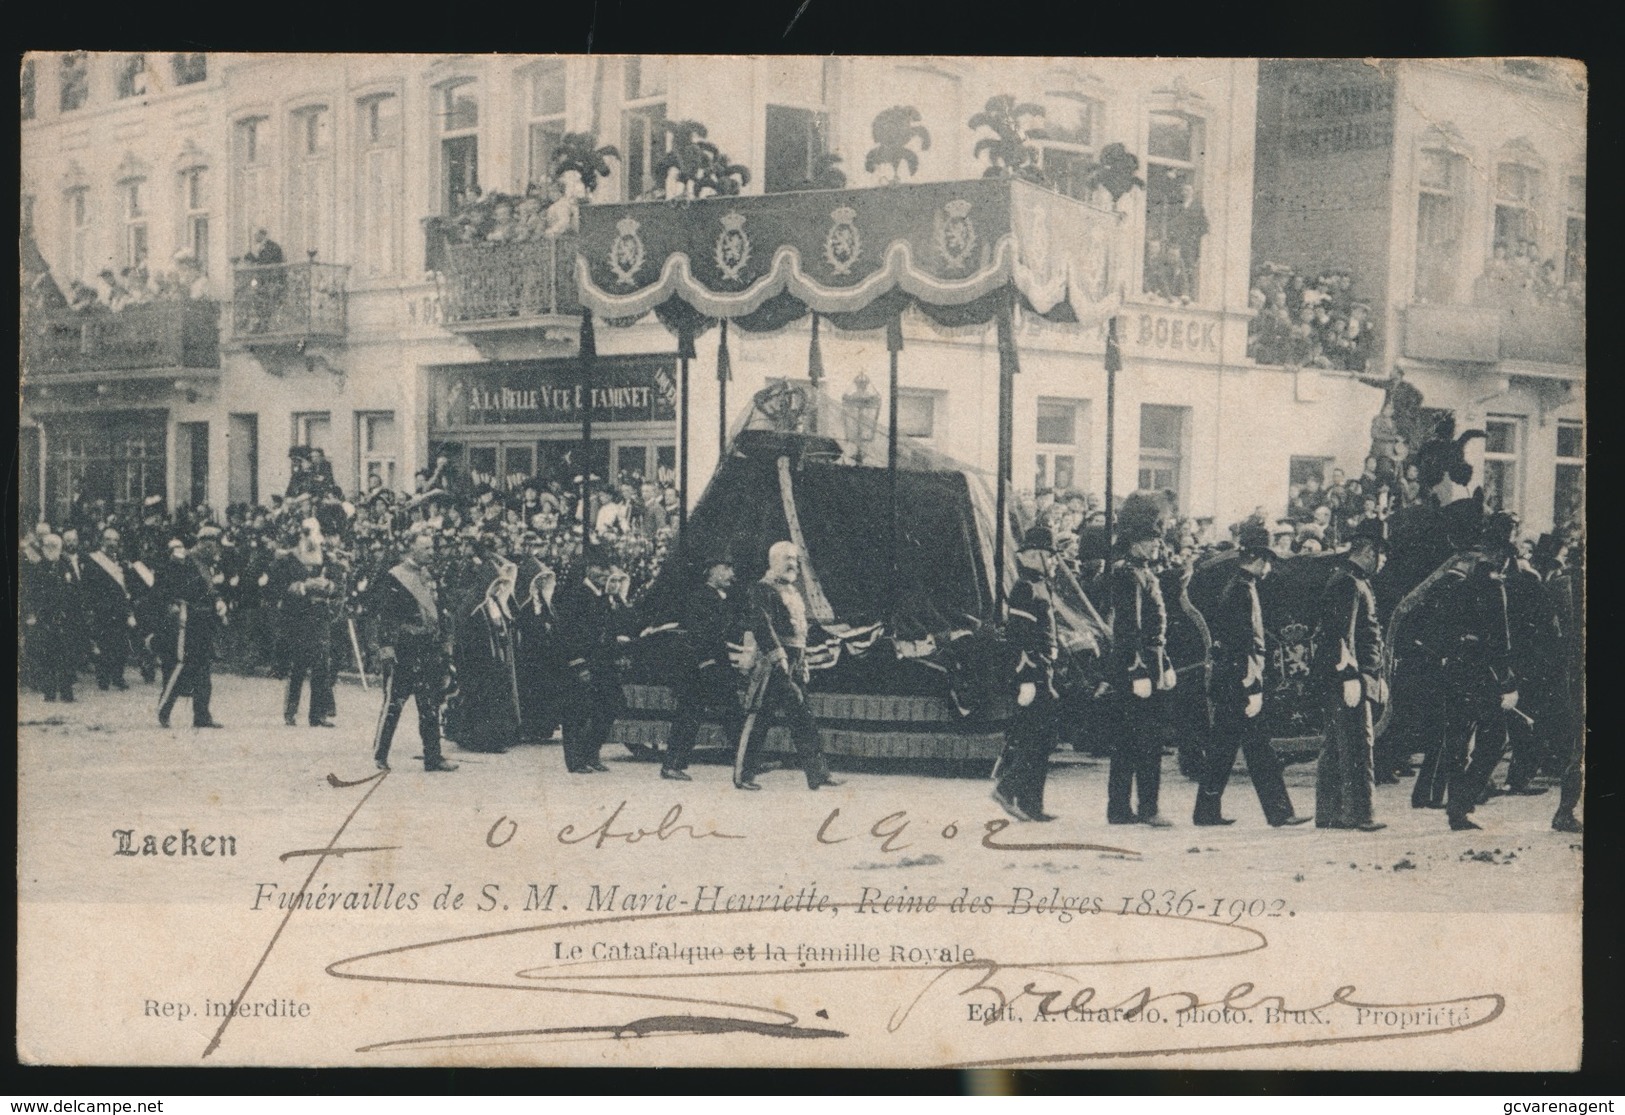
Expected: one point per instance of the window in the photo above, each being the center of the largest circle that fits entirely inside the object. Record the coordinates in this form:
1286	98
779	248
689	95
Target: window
1439	208
1516	190
459	111
1568	493
195	206
917	415
1175	222
135	222
1501	450
1058	428
379	185
132	76
28	91
796	142
643	125
75	80
1066	142
251	181
377	448
1574	233
310	183
189	68
1162	440
313	429
547	103
77	204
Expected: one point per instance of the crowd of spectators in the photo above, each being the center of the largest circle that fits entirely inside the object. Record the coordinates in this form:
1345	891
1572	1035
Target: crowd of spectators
1518	276
542	212
1307	322
135	286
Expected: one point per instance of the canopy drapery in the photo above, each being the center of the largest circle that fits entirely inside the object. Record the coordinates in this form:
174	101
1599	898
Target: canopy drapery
857	257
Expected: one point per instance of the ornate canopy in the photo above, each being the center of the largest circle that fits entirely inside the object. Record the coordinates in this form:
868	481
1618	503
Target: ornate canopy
859	257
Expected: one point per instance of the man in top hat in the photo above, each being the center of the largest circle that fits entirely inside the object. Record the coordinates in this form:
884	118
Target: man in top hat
187	593
707	683
1030	632
299	480
777	616
414	647
1236	688
1139	667
1346	672
591	617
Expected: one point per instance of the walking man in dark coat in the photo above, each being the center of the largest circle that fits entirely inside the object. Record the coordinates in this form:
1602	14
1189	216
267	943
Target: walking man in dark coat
1139	667
188	599
51	611
110	610
1346	671
778	619
1237	692
308	600
707	685
591	616
1030	633
414	647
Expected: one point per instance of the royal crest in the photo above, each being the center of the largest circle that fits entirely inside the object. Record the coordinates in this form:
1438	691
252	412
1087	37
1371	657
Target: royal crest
626	253
733	247
843	245
1293	653
956	233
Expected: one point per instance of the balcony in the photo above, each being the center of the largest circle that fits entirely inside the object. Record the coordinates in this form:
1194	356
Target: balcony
288	303
1534	333
152	339
504	296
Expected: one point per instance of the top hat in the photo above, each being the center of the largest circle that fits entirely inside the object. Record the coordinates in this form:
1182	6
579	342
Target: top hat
1037	538
1464	522
299	453
1253	540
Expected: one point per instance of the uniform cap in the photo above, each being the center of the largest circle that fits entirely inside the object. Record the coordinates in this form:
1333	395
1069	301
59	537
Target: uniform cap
1253	540
1374	531
1038	538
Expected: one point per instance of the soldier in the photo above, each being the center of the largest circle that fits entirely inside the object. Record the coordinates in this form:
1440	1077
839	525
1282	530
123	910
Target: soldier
1347	672
1139	667
1237	692
589	621
414	648
108	584
778	619
707	683
307	597
1024	767
188	596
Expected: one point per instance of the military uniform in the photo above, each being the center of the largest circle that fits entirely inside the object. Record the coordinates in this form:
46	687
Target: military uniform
1237	625
190	611
1139	639
108	585
778	619
411	625
1024	767
707	682
1346	674
307	597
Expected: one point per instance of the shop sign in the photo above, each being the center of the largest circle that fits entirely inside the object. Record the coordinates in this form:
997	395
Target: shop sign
550	392
1174	332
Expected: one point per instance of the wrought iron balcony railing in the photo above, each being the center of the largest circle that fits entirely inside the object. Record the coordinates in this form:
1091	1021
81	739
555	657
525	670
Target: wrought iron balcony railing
492	282
288	302
150	335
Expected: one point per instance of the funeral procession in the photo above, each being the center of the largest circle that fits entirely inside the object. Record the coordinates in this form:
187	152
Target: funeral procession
1191	444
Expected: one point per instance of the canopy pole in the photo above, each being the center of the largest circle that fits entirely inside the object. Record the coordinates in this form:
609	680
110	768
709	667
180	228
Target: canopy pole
815	375
1008	368
1114	362
589	356
685	352
724	374
894	345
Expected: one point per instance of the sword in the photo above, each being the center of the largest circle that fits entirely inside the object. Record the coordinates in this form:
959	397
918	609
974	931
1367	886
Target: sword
180	660
355	645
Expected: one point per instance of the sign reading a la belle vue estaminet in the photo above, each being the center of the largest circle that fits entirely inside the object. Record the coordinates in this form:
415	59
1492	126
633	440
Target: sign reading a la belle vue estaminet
622	389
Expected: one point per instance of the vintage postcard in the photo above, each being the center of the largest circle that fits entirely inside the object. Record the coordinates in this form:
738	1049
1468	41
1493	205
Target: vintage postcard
801	561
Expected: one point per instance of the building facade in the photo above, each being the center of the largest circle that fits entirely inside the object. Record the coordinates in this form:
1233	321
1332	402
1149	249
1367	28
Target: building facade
385	338
1453	193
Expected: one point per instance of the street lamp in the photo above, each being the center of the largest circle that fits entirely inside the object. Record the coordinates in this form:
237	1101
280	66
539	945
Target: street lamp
860	415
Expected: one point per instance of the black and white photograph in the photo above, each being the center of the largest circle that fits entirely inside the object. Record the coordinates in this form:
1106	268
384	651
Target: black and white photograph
801	561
